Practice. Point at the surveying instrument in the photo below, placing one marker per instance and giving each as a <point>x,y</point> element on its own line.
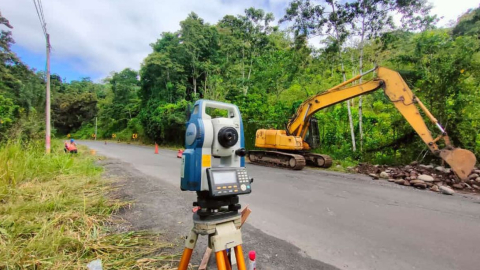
<point>217,186</point>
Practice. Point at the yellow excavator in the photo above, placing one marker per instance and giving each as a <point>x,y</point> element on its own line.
<point>289,148</point>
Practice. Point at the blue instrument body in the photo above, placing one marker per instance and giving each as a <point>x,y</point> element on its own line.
<point>199,137</point>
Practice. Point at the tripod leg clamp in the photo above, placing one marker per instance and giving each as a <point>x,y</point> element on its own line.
<point>191,240</point>
<point>226,236</point>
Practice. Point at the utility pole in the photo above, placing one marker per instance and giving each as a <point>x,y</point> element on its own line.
<point>47,105</point>
<point>95,128</point>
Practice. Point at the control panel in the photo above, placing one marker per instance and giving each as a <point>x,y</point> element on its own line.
<point>226,181</point>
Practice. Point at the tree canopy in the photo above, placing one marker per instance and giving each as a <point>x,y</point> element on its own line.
<point>268,70</point>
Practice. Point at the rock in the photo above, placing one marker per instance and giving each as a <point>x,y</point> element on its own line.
<point>447,170</point>
<point>384,175</point>
<point>400,181</point>
<point>406,183</point>
<point>440,168</point>
<point>476,187</point>
<point>421,186</point>
<point>473,176</point>
<point>426,166</point>
<point>408,167</point>
<point>458,186</point>
<point>391,180</point>
<point>468,186</point>
<point>477,180</point>
<point>416,181</point>
<point>374,176</point>
<point>426,178</point>
<point>435,188</point>
<point>476,171</point>
<point>446,190</point>
<point>339,166</point>
<point>351,169</point>
<point>414,163</point>
<point>95,265</point>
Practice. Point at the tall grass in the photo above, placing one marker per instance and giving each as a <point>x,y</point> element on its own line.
<point>54,212</point>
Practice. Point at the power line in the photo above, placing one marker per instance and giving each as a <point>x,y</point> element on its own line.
<point>39,9</point>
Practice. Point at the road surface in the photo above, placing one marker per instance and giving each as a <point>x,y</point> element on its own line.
<point>345,220</point>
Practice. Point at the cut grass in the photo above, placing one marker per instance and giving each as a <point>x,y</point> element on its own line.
<point>54,215</point>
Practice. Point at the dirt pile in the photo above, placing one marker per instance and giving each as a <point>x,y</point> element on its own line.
<point>434,178</point>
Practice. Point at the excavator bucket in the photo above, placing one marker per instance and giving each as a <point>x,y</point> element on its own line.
<point>460,160</point>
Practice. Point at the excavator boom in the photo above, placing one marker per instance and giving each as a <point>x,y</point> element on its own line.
<point>290,143</point>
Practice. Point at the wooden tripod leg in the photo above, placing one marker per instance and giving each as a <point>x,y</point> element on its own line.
<point>227,262</point>
<point>221,263</point>
<point>187,254</point>
<point>240,258</point>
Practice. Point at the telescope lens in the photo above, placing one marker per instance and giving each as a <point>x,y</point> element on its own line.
<point>227,137</point>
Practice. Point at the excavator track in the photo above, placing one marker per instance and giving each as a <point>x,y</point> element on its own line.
<point>318,160</point>
<point>277,159</point>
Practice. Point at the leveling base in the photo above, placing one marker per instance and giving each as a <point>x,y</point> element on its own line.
<point>223,233</point>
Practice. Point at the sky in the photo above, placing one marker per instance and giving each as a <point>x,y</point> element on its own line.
<point>92,38</point>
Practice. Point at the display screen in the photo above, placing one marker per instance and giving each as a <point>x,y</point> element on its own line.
<point>225,177</point>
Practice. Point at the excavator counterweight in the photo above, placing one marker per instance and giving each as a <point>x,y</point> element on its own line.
<point>289,148</point>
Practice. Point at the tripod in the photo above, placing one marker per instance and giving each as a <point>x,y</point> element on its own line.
<point>223,233</point>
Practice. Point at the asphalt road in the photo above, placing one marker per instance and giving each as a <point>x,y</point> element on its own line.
<point>348,221</point>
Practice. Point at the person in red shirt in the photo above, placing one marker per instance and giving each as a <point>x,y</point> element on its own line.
<point>70,147</point>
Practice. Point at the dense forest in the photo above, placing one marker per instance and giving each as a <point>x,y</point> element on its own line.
<point>267,67</point>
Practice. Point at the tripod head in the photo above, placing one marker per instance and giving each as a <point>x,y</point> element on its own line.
<point>217,185</point>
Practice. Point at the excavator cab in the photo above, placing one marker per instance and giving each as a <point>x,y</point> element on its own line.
<point>313,134</point>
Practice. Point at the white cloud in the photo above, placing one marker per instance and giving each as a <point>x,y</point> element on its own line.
<point>109,35</point>
<point>100,36</point>
<point>451,10</point>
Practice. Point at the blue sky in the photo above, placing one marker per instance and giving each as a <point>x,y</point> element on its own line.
<point>58,65</point>
<point>92,38</point>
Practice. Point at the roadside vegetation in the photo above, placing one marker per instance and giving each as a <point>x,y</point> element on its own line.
<point>55,214</point>
<point>267,67</point>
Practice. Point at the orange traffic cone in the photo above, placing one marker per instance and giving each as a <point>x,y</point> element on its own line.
<point>156,148</point>
<point>180,153</point>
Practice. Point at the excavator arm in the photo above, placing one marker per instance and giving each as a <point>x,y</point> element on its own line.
<point>460,160</point>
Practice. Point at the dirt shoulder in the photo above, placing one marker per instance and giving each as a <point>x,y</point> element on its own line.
<point>161,207</point>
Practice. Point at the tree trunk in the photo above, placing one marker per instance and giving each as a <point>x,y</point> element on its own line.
<point>352,131</point>
<point>360,99</point>
<point>205,86</point>
<point>350,119</point>
<point>243,68</point>
<point>194,85</point>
